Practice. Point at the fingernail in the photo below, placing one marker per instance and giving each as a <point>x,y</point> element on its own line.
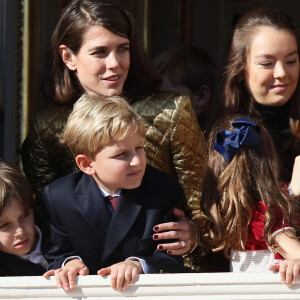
<point>169,251</point>
<point>155,236</point>
<point>160,247</point>
<point>155,228</point>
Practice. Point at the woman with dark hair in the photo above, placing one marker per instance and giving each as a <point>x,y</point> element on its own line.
<point>95,51</point>
<point>262,76</point>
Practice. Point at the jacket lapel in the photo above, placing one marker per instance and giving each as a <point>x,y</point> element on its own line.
<point>125,215</point>
<point>91,204</point>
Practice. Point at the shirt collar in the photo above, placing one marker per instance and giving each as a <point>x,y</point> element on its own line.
<point>105,193</point>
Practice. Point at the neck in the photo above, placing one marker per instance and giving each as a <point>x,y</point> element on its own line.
<point>276,118</point>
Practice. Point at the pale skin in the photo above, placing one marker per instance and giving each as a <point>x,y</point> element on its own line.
<point>121,274</point>
<point>102,66</point>
<point>295,181</point>
<point>289,248</point>
<point>126,161</point>
<point>271,75</point>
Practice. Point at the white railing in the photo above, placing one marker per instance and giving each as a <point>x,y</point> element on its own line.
<point>156,286</point>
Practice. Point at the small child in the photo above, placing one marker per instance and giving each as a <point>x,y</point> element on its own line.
<point>20,239</point>
<point>100,219</point>
<point>251,216</point>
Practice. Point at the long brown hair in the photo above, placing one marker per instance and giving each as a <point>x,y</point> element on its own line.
<point>231,189</point>
<point>237,96</point>
<point>73,23</point>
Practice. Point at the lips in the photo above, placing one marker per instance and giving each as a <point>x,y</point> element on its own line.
<point>21,244</point>
<point>134,174</point>
<point>112,78</point>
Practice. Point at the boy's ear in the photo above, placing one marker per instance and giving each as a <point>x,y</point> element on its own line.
<point>85,164</point>
<point>67,57</point>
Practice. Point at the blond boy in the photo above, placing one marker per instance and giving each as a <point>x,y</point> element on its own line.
<point>89,234</point>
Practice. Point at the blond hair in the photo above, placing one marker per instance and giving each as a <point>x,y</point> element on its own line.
<point>97,120</point>
<point>14,185</point>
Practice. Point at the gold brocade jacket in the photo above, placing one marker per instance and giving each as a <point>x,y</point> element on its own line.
<point>174,143</point>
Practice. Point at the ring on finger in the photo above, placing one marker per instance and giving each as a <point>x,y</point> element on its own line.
<point>182,243</point>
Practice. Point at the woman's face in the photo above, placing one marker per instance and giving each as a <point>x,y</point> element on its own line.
<point>102,62</point>
<point>272,69</point>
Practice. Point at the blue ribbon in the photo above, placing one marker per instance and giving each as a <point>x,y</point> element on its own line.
<point>228,142</point>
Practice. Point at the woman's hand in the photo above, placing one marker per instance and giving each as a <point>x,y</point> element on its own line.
<point>183,230</point>
<point>295,181</point>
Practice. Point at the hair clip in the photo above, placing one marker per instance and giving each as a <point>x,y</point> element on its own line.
<point>228,142</point>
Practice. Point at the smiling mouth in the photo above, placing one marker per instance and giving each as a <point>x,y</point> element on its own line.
<point>279,85</point>
<point>112,78</point>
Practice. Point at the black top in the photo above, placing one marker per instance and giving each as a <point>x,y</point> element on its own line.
<point>276,119</point>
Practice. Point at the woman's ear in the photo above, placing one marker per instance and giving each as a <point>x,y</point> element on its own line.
<point>85,164</point>
<point>68,57</point>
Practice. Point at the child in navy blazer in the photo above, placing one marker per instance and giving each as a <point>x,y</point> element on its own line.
<point>86,233</point>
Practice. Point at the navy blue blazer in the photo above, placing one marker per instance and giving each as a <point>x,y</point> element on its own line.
<point>77,222</point>
<point>13,265</point>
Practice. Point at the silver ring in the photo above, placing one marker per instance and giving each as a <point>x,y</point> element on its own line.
<point>182,243</point>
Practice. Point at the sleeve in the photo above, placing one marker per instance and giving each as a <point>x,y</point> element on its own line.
<point>188,153</point>
<point>56,244</point>
<point>36,160</point>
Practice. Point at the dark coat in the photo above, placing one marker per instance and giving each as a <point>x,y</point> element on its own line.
<point>78,222</point>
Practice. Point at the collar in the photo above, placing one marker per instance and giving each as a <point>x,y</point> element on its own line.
<point>36,255</point>
<point>105,193</point>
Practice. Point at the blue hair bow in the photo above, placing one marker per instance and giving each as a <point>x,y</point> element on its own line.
<point>228,142</point>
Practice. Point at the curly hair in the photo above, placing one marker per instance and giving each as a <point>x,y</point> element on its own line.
<point>231,189</point>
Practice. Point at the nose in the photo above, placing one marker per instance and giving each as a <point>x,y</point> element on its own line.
<point>112,61</point>
<point>279,70</point>
<point>19,231</point>
<point>135,161</point>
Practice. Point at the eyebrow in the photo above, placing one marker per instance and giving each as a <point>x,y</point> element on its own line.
<point>104,46</point>
<point>272,56</point>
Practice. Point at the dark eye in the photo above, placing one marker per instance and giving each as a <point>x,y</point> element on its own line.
<point>291,61</point>
<point>124,48</point>
<point>99,52</point>
<point>266,64</point>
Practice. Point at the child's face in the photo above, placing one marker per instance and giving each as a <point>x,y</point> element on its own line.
<point>120,164</point>
<point>17,230</point>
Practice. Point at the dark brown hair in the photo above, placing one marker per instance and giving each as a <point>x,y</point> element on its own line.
<point>14,185</point>
<point>231,189</point>
<point>77,17</point>
<point>237,96</point>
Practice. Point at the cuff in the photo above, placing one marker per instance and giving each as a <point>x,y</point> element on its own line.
<point>144,264</point>
<point>70,258</point>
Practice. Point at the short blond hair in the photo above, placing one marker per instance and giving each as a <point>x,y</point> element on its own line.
<point>14,185</point>
<point>97,120</point>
